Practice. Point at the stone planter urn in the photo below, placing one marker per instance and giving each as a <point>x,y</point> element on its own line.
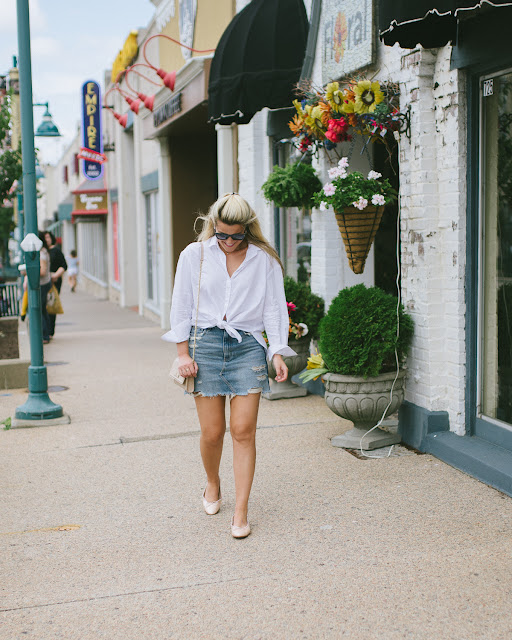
<point>295,364</point>
<point>362,401</point>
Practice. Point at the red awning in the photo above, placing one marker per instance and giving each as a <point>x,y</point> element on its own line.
<point>85,214</point>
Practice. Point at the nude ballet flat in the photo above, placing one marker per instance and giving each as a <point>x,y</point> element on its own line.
<point>211,508</point>
<point>240,532</point>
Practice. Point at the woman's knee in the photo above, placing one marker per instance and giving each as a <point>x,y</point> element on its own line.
<point>243,433</point>
<point>213,435</point>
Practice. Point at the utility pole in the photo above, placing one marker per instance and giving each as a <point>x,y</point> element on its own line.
<point>38,407</point>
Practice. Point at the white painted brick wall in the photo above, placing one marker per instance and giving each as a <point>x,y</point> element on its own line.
<point>433,203</point>
<point>254,165</point>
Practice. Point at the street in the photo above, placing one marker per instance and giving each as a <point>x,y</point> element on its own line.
<point>103,533</point>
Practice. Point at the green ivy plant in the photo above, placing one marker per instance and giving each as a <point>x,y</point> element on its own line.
<point>292,186</point>
<point>358,334</point>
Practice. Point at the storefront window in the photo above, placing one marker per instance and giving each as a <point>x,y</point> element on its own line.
<point>496,230</point>
<point>152,248</point>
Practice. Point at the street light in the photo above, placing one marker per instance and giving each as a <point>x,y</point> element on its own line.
<point>38,406</point>
<point>47,128</point>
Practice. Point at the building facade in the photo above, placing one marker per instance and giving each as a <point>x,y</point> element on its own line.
<point>224,126</point>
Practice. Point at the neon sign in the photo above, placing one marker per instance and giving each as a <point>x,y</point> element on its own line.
<point>91,128</point>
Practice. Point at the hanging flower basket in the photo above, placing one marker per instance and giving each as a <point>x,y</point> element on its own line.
<point>358,203</point>
<point>353,106</point>
<point>358,229</point>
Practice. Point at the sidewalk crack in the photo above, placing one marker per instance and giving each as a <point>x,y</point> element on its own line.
<point>123,595</point>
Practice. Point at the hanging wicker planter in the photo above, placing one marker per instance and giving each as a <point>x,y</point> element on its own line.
<point>358,229</point>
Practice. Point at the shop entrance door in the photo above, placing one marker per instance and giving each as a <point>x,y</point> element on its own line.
<point>494,390</point>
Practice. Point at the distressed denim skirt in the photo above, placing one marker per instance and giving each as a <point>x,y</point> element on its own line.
<point>227,367</point>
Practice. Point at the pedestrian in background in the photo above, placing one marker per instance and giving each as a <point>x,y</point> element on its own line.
<point>58,267</point>
<point>45,284</point>
<point>72,269</point>
<point>241,295</point>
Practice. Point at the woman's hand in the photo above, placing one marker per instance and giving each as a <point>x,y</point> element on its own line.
<point>280,367</point>
<point>187,367</point>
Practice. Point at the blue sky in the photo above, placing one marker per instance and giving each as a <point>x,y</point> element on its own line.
<point>71,42</point>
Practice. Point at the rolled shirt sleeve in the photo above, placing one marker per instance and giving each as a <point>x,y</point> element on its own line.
<point>275,312</point>
<point>182,302</point>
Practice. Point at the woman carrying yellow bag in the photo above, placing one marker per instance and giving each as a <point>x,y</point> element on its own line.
<point>53,303</point>
<point>24,304</point>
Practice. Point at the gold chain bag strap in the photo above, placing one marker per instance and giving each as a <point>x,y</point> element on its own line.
<point>188,383</point>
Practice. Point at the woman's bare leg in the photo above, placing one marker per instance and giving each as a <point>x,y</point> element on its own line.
<point>212,418</point>
<point>244,415</point>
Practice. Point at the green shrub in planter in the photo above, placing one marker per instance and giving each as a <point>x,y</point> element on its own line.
<point>310,307</point>
<point>292,186</point>
<point>358,333</point>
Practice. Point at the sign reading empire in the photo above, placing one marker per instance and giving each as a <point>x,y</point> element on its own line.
<point>348,37</point>
<point>91,127</point>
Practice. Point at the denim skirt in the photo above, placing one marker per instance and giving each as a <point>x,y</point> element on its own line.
<point>227,367</point>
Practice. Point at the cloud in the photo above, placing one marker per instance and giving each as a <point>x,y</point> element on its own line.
<point>57,83</point>
<point>9,21</point>
<point>45,46</point>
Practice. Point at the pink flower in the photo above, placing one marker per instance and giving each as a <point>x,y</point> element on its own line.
<point>337,172</point>
<point>343,163</point>
<point>291,307</point>
<point>329,189</point>
<point>361,204</point>
<point>374,175</point>
<point>337,130</point>
<point>378,199</point>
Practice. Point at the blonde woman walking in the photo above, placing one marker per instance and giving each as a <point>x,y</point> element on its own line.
<point>241,296</point>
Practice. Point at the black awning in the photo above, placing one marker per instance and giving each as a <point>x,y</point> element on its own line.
<point>431,23</point>
<point>258,60</point>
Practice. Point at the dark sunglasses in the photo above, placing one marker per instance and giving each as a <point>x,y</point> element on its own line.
<point>225,236</point>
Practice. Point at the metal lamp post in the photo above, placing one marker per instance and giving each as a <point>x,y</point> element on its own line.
<point>38,406</point>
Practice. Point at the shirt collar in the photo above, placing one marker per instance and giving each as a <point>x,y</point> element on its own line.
<point>252,249</point>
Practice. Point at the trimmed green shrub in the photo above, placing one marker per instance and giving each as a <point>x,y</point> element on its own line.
<point>358,333</point>
<point>292,186</point>
<point>310,307</point>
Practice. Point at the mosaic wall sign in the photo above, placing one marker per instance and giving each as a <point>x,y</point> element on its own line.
<point>348,32</point>
<point>188,10</point>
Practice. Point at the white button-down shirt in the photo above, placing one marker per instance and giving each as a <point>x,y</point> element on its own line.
<point>252,299</point>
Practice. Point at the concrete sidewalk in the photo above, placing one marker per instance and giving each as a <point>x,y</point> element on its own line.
<point>103,533</point>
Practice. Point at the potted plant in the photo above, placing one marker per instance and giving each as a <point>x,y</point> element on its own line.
<point>292,186</point>
<point>364,340</point>
<point>358,203</point>
<point>305,310</point>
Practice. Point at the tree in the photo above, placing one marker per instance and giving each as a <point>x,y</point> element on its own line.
<point>10,171</point>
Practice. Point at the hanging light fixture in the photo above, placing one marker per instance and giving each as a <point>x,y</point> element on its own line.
<point>122,119</point>
<point>148,101</point>
<point>169,77</point>
<point>47,128</point>
<point>133,104</point>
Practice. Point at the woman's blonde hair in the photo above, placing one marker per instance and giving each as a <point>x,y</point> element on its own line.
<point>232,209</point>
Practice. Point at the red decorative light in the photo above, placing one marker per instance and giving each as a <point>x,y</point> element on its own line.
<point>169,78</point>
<point>149,101</point>
<point>134,104</point>
<point>122,119</point>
